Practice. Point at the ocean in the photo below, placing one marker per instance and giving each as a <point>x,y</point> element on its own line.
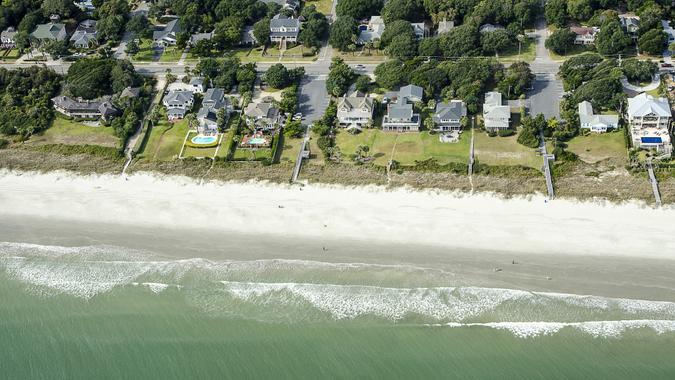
<point>86,301</point>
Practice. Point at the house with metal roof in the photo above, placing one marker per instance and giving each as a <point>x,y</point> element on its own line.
<point>496,115</point>
<point>355,111</point>
<point>649,120</point>
<point>178,103</point>
<point>448,115</point>
<point>85,35</point>
<point>100,108</point>
<point>52,31</point>
<point>196,37</point>
<point>284,29</point>
<point>595,122</point>
<point>168,35</point>
<point>412,93</point>
<point>196,84</point>
<point>585,35</point>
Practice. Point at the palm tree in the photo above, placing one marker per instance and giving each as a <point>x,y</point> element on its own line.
<point>191,118</point>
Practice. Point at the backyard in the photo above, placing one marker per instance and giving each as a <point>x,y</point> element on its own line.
<point>291,149</point>
<point>165,140</point>
<point>145,52</point>
<point>323,6</point>
<point>406,148</point>
<point>171,54</point>
<point>197,152</point>
<point>504,151</point>
<point>69,132</point>
<point>597,147</point>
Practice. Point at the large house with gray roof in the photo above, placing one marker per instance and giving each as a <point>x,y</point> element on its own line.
<point>52,31</point>
<point>178,103</point>
<point>214,101</point>
<point>263,116</point>
<point>496,115</point>
<point>401,117</point>
<point>448,115</point>
<point>284,29</point>
<point>355,111</point>
<point>100,108</point>
<point>649,120</point>
<point>412,93</point>
<point>371,32</point>
<point>595,122</point>
<point>85,35</point>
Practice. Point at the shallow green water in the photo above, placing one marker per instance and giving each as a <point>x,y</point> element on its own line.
<point>108,313</point>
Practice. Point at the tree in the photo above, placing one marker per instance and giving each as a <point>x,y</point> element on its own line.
<point>277,76</point>
<point>531,127</point>
<point>261,31</point>
<point>393,10</point>
<point>612,39</point>
<point>132,48</point>
<point>428,47</point>
<point>395,29</point>
<point>579,10</point>
<point>496,41</point>
<point>294,129</point>
<point>402,46</point>
<point>56,49</point>
<point>343,31</point>
<point>63,8</point>
<point>391,74</point>
<point>556,12</point>
<point>340,77</point>
<point>517,79</point>
<point>358,9</point>
<point>653,41</point>
<point>560,41</point>
<point>637,70</point>
<point>361,154</point>
<point>362,83</point>
<point>460,41</point>
<point>315,28</point>
<point>138,25</point>
<point>429,123</point>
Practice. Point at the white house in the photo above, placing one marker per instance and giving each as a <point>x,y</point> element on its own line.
<point>168,35</point>
<point>178,103</point>
<point>283,28</point>
<point>372,31</point>
<point>584,35</point>
<point>196,85</point>
<point>445,26</point>
<point>595,122</point>
<point>355,111</point>
<point>496,116</point>
<point>448,115</point>
<point>649,120</point>
<point>8,38</point>
<point>420,29</point>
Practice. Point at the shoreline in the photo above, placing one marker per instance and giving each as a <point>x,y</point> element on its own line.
<point>479,221</point>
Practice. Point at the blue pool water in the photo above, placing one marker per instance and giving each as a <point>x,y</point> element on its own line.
<point>204,139</point>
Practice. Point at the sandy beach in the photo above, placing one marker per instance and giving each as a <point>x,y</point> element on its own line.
<point>452,220</point>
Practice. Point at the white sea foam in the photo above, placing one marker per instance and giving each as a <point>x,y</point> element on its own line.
<point>598,329</point>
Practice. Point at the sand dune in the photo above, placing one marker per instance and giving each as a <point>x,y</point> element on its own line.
<point>479,221</point>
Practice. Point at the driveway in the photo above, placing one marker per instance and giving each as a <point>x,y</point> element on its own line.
<point>545,95</point>
<point>313,98</point>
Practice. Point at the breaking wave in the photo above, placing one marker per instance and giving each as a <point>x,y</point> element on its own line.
<point>311,291</point>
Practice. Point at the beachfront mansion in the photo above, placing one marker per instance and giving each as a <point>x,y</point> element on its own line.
<point>649,120</point>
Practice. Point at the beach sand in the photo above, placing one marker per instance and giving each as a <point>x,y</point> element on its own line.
<point>474,240</point>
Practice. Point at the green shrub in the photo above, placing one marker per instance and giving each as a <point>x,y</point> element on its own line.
<point>506,132</point>
<point>4,143</point>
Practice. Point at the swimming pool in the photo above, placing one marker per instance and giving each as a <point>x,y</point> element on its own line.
<point>203,140</point>
<point>257,141</point>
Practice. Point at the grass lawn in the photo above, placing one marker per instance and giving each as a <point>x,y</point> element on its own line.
<point>599,146</point>
<point>574,50</point>
<point>374,56</point>
<point>165,140</point>
<point>405,148</point>
<point>527,52</point>
<point>291,149</point>
<point>323,6</point>
<point>13,55</point>
<point>316,155</point>
<point>171,54</point>
<point>64,131</point>
<point>250,154</point>
<point>145,52</point>
<point>504,151</point>
<point>292,54</point>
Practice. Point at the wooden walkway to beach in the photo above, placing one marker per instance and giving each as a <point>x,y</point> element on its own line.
<point>547,167</point>
<point>654,182</point>
<point>301,156</point>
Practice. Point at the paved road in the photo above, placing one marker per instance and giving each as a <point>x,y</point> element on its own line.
<point>313,98</point>
<point>544,98</point>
